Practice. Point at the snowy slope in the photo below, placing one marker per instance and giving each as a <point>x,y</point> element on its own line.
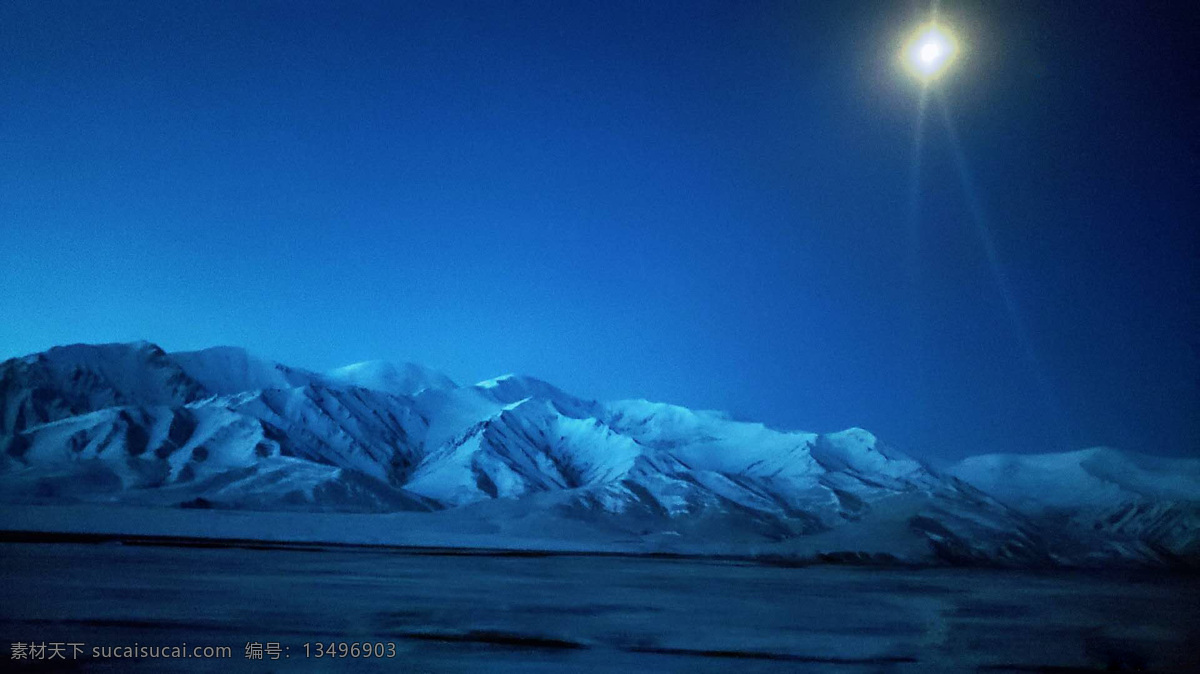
<point>220,428</point>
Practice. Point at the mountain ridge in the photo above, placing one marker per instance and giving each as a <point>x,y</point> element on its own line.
<point>134,424</point>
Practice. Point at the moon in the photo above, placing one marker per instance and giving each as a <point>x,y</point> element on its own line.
<point>929,51</point>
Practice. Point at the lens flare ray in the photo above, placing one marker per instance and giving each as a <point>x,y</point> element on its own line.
<point>987,241</point>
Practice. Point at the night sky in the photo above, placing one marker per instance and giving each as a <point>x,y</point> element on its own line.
<point>712,204</point>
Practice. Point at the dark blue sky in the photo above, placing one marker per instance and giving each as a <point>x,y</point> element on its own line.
<point>706,204</point>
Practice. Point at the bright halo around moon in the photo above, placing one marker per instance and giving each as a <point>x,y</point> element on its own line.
<point>929,52</point>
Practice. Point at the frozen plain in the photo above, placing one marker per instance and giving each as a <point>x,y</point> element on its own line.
<point>449,611</point>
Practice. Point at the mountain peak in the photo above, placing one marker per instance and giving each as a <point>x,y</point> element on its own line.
<point>510,388</point>
<point>393,378</point>
<point>77,378</point>
<point>495,381</point>
<point>105,350</point>
<point>225,370</point>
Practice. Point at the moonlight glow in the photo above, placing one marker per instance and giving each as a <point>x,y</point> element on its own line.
<point>929,52</point>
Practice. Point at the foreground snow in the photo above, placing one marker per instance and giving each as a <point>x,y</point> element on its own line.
<point>445,612</point>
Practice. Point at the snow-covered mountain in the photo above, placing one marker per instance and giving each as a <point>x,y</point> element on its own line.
<point>1120,498</point>
<point>1097,477</point>
<point>132,424</point>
